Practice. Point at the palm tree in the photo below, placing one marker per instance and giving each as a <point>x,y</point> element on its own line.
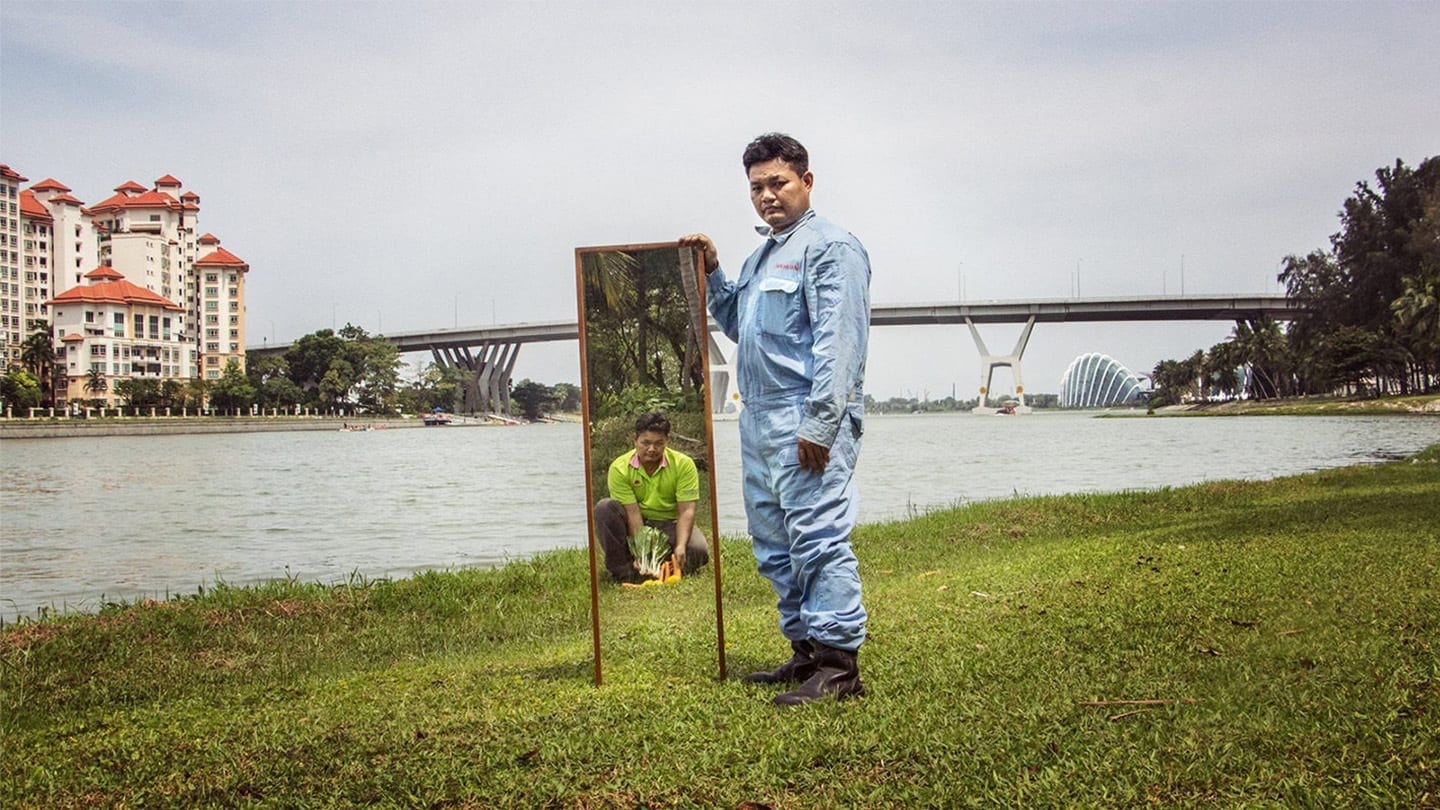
<point>1417,311</point>
<point>1173,381</point>
<point>95,382</point>
<point>37,354</point>
<point>1262,346</point>
<point>1221,369</point>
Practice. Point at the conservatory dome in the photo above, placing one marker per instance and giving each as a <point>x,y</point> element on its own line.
<point>1097,380</point>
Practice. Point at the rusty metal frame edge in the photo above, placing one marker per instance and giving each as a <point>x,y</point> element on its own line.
<point>589,495</point>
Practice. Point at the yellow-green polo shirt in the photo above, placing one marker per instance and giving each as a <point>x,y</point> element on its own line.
<point>674,480</point>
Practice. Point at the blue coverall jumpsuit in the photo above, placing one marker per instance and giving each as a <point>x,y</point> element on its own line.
<point>800,317</point>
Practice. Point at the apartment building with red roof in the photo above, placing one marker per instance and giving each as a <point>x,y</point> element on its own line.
<point>222,306</point>
<point>120,329</point>
<point>52,243</point>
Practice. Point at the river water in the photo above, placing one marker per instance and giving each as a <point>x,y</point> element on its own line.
<point>84,521</point>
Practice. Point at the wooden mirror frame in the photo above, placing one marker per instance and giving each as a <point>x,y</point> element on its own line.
<point>695,261</point>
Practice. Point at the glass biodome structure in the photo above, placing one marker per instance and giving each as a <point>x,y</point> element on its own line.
<point>1097,381</point>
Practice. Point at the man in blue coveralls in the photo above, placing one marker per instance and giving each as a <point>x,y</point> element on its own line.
<point>799,313</point>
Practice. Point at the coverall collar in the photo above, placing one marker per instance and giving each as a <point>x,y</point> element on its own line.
<point>779,238</point>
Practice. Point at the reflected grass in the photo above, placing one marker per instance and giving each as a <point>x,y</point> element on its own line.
<point>1283,634</point>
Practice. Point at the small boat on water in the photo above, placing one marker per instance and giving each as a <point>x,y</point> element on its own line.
<point>436,419</point>
<point>1007,408</point>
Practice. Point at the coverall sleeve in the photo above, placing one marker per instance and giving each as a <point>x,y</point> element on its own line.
<point>722,299</point>
<point>837,294</point>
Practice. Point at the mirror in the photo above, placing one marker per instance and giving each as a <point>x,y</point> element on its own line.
<point>643,351</point>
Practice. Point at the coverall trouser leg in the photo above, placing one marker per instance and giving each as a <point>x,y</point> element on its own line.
<point>800,524</point>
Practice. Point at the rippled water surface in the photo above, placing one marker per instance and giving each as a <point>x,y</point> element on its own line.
<point>92,519</point>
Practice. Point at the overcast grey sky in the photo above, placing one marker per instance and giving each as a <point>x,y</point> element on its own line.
<point>401,164</point>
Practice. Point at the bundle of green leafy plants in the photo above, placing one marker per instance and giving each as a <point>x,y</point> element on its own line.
<point>649,547</point>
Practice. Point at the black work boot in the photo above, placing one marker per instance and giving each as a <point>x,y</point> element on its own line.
<point>837,675</point>
<point>796,670</point>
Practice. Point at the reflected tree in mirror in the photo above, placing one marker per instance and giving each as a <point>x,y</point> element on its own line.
<point>643,325</point>
<point>644,321</point>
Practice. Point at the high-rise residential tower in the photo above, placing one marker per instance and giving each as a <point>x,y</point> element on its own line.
<point>139,254</point>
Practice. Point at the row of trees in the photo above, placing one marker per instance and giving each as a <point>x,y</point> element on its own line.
<point>947,404</point>
<point>348,371</point>
<point>33,383</point>
<point>353,371</point>
<point>534,399</point>
<point>327,370</point>
<point>1370,321</point>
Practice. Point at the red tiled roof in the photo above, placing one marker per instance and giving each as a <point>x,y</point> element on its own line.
<point>10,174</point>
<point>111,203</point>
<point>209,239</point>
<point>65,198</point>
<point>73,337</point>
<point>50,184</point>
<point>155,199</point>
<point>168,180</point>
<point>149,199</point>
<point>223,258</point>
<point>114,292</point>
<point>104,273</point>
<point>30,208</point>
<point>130,185</point>
<point>189,195</point>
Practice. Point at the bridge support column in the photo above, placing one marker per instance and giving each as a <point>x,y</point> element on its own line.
<point>989,362</point>
<point>474,388</point>
<point>462,359</point>
<point>500,380</point>
<point>484,403</point>
<point>487,374</point>
<point>720,373</point>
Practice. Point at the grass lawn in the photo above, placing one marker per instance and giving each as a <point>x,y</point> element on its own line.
<point>1259,644</point>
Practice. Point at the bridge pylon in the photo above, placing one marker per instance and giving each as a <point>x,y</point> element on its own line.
<point>487,373</point>
<point>989,362</point>
<point>720,375</point>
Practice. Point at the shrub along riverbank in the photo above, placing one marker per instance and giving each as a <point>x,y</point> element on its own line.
<point>1416,404</point>
<point>1264,643</point>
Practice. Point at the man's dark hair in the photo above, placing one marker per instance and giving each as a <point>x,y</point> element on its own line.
<point>654,422</point>
<point>773,145</point>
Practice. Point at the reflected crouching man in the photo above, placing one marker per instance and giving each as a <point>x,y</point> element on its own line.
<point>799,313</point>
<point>652,485</point>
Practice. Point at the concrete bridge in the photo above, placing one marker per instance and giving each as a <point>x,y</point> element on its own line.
<point>487,354</point>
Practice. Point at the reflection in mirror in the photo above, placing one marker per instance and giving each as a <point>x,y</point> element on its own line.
<point>650,483</point>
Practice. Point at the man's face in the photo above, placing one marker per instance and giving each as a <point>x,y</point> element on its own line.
<point>650,447</point>
<point>780,196</point>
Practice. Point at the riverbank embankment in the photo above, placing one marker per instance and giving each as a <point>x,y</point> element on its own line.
<point>174,426</point>
<point>1413,405</point>
<point>1229,643</point>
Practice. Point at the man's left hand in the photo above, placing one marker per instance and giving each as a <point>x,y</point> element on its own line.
<point>813,457</point>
